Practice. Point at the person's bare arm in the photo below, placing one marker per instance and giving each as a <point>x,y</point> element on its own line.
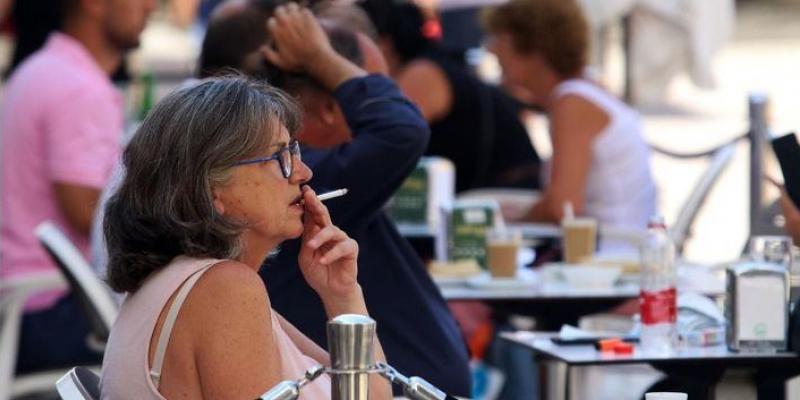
<point>306,345</point>
<point>575,123</point>
<point>791,215</point>
<point>228,312</point>
<point>427,86</point>
<point>78,204</point>
<point>328,262</point>
<point>300,44</point>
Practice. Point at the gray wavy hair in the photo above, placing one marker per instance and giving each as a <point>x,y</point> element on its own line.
<point>184,148</point>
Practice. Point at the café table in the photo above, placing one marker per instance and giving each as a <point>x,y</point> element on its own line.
<point>705,280</point>
<point>686,360</point>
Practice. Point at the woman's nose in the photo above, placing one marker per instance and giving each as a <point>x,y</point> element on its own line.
<point>301,173</point>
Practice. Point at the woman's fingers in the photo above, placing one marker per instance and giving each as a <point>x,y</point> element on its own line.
<point>318,212</point>
<point>332,244</point>
<point>327,234</point>
<point>342,250</point>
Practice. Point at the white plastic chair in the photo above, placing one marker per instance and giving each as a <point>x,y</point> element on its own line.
<point>92,293</point>
<point>14,293</point>
<point>79,383</point>
<point>680,230</point>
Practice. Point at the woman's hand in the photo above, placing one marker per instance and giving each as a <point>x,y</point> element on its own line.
<point>299,41</point>
<point>328,257</point>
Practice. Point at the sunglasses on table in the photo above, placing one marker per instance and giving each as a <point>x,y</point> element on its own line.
<point>285,156</point>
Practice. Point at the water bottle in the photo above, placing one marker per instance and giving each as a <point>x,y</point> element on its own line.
<point>658,296</point>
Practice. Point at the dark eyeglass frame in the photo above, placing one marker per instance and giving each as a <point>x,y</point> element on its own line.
<point>286,162</point>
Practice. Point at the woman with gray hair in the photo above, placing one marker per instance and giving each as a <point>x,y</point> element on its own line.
<point>214,183</point>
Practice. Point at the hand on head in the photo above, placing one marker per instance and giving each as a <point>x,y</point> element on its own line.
<point>298,39</point>
<point>328,257</point>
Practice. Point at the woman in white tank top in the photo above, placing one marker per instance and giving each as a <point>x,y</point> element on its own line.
<point>600,163</point>
<point>213,184</point>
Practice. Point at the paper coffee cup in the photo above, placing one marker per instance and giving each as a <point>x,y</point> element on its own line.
<point>579,239</point>
<point>502,248</point>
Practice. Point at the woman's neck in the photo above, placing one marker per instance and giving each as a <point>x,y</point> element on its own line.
<point>254,251</point>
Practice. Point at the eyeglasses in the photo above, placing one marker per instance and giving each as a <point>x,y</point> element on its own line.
<point>285,157</point>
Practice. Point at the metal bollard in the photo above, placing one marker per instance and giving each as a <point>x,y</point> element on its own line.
<point>757,135</point>
<point>351,340</point>
<point>351,345</point>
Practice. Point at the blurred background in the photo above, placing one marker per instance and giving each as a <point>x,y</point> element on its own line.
<point>688,67</point>
<point>688,103</point>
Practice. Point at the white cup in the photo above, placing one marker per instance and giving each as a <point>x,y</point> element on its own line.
<point>666,396</point>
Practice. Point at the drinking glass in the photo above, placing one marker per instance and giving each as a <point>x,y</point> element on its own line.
<point>772,249</point>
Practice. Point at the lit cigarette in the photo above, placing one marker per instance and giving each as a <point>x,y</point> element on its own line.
<point>332,194</point>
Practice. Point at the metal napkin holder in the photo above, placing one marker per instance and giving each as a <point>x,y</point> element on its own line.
<point>737,280</point>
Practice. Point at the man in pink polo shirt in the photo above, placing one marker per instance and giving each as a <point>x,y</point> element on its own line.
<point>61,128</point>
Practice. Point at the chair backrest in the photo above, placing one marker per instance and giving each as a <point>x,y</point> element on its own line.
<point>14,292</point>
<point>79,383</point>
<point>681,227</point>
<point>93,297</point>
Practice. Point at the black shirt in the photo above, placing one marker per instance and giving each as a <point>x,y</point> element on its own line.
<point>482,134</point>
<point>415,327</point>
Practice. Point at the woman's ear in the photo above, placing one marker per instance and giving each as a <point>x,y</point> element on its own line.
<point>219,205</point>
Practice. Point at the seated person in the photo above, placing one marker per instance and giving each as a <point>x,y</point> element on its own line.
<point>474,125</point>
<point>187,247</point>
<point>364,135</point>
<point>61,123</point>
<point>601,163</point>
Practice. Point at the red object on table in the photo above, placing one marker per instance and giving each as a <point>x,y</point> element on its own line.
<point>623,348</point>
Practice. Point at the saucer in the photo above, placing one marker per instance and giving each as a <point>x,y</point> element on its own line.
<point>525,279</point>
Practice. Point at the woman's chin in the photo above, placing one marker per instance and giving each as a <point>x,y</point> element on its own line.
<point>297,232</point>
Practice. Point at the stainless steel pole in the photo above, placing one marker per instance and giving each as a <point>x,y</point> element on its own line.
<point>351,346</point>
<point>757,135</point>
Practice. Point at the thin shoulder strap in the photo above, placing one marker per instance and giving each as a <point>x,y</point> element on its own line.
<point>169,322</point>
<point>586,89</point>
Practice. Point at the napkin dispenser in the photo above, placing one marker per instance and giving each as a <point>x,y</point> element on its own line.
<point>757,307</point>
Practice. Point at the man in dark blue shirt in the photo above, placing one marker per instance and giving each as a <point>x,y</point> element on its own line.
<point>362,134</point>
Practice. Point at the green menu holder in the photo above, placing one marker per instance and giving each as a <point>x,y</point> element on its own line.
<point>409,205</point>
<point>468,224</point>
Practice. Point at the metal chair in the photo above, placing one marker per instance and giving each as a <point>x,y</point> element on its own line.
<point>92,293</point>
<point>79,383</point>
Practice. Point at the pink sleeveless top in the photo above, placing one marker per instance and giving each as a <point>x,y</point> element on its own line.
<point>126,373</point>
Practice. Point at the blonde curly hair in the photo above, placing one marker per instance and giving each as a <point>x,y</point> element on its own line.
<point>555,29</point>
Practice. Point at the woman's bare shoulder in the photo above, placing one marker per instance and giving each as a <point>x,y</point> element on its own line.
<point>229,291</point>
<point>575,113</point>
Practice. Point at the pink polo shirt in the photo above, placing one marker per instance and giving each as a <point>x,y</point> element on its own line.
<point>61,121</point>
